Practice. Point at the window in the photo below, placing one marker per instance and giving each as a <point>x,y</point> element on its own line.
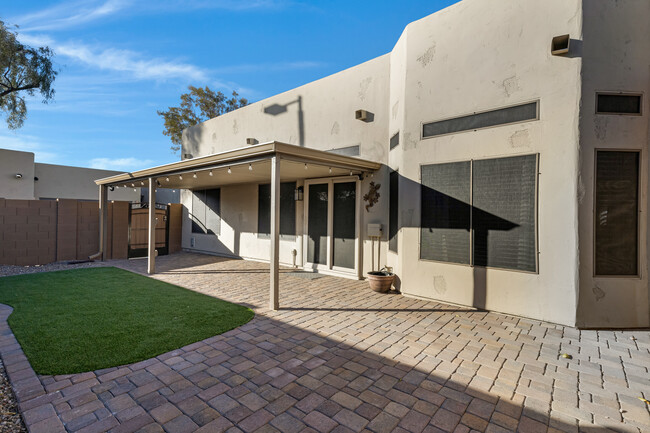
<point>393,210</point>
<point>618,103</point>
<point>206,211</point>
<point>481,213</point>
<point>394,141</point>
<point>487,119</point>
<point>616,213</point>
<point>287,211</point>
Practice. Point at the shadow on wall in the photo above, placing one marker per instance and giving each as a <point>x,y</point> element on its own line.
<point>448,226</point>
<point>277,109</point>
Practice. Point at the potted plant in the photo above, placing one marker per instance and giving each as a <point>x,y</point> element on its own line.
<point>381,281</point>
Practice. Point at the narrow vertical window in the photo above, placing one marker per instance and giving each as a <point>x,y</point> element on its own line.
<point>393,210</point>
<point>617,213</point>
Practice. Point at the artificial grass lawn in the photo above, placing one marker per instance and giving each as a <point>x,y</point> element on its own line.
<point>87,319</point>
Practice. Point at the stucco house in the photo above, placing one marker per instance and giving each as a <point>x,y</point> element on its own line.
<point>508,145</point>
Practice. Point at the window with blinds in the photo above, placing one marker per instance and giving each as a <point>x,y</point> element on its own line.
<point>610,103</point>
<point>616,213</point>
<point>206,211</point>
<point>481,213</point>
<point>502,116</point>
<point>287,211</point>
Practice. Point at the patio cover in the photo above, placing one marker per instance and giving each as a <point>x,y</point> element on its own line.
<point>261,163</point>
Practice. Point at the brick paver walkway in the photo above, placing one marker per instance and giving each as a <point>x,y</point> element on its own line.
<point>338,357</point>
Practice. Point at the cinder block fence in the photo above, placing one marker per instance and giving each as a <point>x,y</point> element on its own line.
<point>37,232</point>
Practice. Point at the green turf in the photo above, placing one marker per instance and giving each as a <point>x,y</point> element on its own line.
<point>87,319</point>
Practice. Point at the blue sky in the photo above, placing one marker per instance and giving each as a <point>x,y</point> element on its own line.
<point>121,60</point>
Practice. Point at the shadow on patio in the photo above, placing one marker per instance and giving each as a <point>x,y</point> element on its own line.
<point>365,361</point>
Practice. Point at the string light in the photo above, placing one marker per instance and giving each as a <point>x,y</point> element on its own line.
<point>194,176</point>
<point>133,185</point>
<point>305,166</point>
<point>180,176</point>
<point>330,170</point>
<point>229,170</point>
<point>250,167</point>
<point>210,173</point>
<point>141,183</point>
<point>166,179</point>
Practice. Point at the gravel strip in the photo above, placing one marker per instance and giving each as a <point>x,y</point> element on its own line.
<point>10,419</point>
<point>7,270</point>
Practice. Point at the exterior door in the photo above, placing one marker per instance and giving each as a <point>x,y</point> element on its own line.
<point>332,225</point>
<point>139,229</point>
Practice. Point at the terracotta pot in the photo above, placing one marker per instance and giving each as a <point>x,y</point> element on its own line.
<point>380,281</point>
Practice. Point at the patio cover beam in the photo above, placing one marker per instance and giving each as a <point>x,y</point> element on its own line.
<point>274,302</point>
<point>151,247</point>
<point>103,221</point>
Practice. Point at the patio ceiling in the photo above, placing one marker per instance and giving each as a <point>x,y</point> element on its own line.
<point>250,164</point>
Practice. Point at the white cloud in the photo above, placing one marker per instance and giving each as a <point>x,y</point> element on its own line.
<point>134,64</point>
<point>126,164</point>
<point>67,15</point>
<point>27,143</point>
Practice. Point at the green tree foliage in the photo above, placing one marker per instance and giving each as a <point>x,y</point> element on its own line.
<point>23,70</point>
<point>197,106</point>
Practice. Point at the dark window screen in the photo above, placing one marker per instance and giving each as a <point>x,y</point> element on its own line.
<point>344,224</point>
<point>394,141</point>
<point>287,211</point>
<point>393,210</point>
<point>618,104</point>
<point>206,211</point>
<point>347,151</point>
<point>317,224</point>
<point>504,214</point>
<point>503,116</point>
<point>445,212</point>
<point>617,198</point>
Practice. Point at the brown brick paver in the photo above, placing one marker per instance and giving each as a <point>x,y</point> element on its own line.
<point>338,357</point>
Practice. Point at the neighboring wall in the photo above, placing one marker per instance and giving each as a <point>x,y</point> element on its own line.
<point>318,115</point>
<point>61,181</point>
<point>616,57</point>
<point>37,232</point>
<point>480,55</point>
<point>11,164</point>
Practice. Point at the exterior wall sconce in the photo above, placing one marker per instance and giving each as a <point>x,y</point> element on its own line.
<point>361,115</point>
<point>299,194</point>
<point>19,176</point>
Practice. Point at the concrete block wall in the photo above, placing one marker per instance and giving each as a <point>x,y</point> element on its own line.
<point>34,232</point>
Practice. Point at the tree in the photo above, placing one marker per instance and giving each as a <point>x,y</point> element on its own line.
<point>197,106</point>
<point>23,70</point>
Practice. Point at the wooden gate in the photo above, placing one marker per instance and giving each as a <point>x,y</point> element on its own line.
<point>139,229</point>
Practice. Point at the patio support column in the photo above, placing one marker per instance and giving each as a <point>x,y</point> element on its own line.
<point>151,251</point>
<point>103,221</point>
<point>274,302</point>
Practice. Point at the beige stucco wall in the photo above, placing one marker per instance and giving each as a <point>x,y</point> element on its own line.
<point>616,55</point>
<point>441,68</point>
<point>62,181</point>
<point>502,59</point>
<point>327,121</point>
<point>11,163</point>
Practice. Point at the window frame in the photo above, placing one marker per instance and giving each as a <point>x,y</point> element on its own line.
<point>614,93</point>
<point>638,275</point>
<point>471,244</point>
<point>458,116</point>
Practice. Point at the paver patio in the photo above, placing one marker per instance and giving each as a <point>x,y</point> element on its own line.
<point>339,357</point>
